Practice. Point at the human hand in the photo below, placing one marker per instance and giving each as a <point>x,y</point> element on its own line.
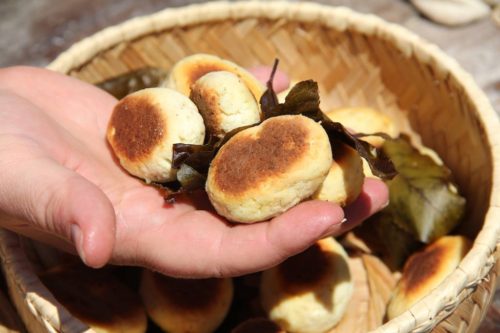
<point>59,183</point>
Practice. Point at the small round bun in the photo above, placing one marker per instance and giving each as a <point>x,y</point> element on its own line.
<point>258,325</point>
<point>144,126</point>
<point>365,120</point>
<point>309,292</point>
<point>264,170</point>
<point>97,298</point>
<point>345,178</point>
<point>186,305</point>
<point>425,270</point>
<point>224,102</point>
<point>189,69</point>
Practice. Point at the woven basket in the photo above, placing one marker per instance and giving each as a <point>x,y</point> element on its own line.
<point>358,60</point>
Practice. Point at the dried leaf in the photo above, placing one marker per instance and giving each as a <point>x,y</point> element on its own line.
<point>303,99</point>
<point>122,85</point>
<point>423,200</point>
<point>380,236</point>
<point>269,100</point>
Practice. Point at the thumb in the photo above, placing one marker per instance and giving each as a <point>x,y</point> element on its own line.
<point>58,201</point>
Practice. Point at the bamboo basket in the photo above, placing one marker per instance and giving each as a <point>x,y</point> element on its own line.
<point>358,60</point>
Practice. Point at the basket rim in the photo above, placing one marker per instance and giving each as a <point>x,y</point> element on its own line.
<point>473,269</point>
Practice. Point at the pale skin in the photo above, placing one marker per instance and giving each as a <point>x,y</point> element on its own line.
<point>59,183</point>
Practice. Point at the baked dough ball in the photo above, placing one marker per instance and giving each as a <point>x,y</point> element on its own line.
<point>308,293</point>
<point>425,270</point>
<point>345,179</point>
<point>97,298</point>
<point>186,305</point>
<point>144,126</point>
<point>224,102</point>
<point>258,325</point>
<point>365,120</point>
<point>264,170</point>
<point>189,69</point>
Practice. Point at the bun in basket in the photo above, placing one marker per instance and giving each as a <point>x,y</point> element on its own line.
<point>264,170</point>
<point>367,121</point>
<point>186,305</point>
<point>97,298</point>
<point>224,102</point>
<point>189,69</point>
<point>144,126</point>
<point>425,270</point>
<point>309,292</point>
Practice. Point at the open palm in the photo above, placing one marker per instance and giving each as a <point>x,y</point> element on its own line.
<point>60,183</point>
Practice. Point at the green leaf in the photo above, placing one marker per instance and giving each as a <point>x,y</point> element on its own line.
<point>122,85</point>
<point>423,199</point>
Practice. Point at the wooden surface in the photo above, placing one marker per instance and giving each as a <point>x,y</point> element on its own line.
<point>35,31</point>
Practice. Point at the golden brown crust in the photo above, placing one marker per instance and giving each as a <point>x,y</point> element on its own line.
<point>425,265</point>
<point>246,161</point>
<point>207,102</point>
<point>300,272</point>
<point>189,294</point>
<point>136,126</point>
<point>198,70</point>
<point>94,296</point>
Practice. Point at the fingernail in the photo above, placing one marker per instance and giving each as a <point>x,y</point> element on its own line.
<point>77,238</point>
<point>385,205</point>
<point>332,229</point>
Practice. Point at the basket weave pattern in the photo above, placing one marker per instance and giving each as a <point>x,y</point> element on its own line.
<point>358,60</point>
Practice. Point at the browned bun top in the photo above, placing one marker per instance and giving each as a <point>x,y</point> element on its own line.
<point>188,70</point>
<point>313,267</point>
<point>433,262</point>
<point>94,296</point>
<point>258,325</point>
<point>199,69</point>
<point>189,294</point>
<point>137,125</point>
<point>248,159</point>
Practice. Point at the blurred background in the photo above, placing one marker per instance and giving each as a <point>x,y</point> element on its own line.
<point>34,32</point>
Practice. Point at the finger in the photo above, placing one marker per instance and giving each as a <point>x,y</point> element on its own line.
<point>200,244</point>
<point>57,94</point>
<point>263,73</point>
<point>296,230</point>
<point>56,201</point>
<point>373,198</point>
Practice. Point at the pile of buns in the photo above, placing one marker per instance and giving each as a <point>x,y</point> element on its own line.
<point>308,293</point>
<point>258,173</point>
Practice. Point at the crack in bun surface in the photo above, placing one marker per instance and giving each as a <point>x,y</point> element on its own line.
<point>189,69</point>
<point>144,126</point>
<point>264,170</point>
